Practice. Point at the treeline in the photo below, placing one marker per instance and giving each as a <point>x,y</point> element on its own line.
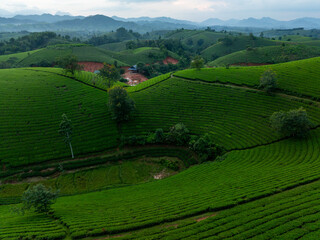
<point>121,34</point>
<point>32,41</point>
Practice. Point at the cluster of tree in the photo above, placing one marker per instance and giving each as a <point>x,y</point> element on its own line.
<point>156,69</point>
<point>197,63</point>
<point>268,81</point>
<point>37,198</point>
<point>31,42</point>
<point>294,123</point>
<point>173,45</point>
<point>178,135</point>
<point>121,34</point>
<point>69,63</point>
<point>120,104</point>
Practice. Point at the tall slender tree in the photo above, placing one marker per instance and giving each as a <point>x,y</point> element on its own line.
<point>66,131</point>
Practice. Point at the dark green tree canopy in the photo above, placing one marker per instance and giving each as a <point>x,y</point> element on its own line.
<point>197,63</point>
<point>39,198</point>
<point>69,64</point>
<point>268,81</point>
<point>179,134</point>
<point>292,123</point>
<point>120,104</point>
<point>110,73</point>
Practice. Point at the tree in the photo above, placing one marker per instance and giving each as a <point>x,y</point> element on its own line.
<point>70,64</point>
<point>292,123</point>
<point>120,104</point>
<point>66,131</point>
<point>197,63</point>
<point>268,81</point>
<point>179,135</point>
<point>39,198</point>
<point>110,73</point>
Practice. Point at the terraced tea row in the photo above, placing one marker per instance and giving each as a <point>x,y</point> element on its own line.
<point>301,77</point>
<point>289,215</point>
<point>32,104</point>
<point>212,186</point>
<point>237,118</point>
<point>29,226</point>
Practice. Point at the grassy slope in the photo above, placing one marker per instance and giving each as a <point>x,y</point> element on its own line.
<point>116,47</point>
<point>32,104</point>
<point>93,54</point>
<point>239,43</point>
<point>192,191</point>
<point>301,77</point>
<point>203,108</point>
<point>17,56</point>
<point>209,38</point>
<point>277,166</point>
<point>26,140</point>
<point>287,215</point>
<point>273,54</point>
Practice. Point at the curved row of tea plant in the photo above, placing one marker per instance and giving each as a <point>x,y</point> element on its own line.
<point>243,176</point>
<point>29,226</point>
<point>235,117</point>
<point>300,77</point>
<point>32,103</point>
<point>289,215</point>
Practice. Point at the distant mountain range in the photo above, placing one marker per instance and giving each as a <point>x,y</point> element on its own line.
<point>48,22</point>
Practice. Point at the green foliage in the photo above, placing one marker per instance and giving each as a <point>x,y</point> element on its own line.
<point>30,42</point>
<point>179,135</point>
<point>292,123</point>
<point>197,63</point>
<point>205,147</point>
<point>173,165</point>
<point>268,80</point>
<point>110,73</point>
<point>38,198</point>
<point>120,104</point>
<point>69,64</point>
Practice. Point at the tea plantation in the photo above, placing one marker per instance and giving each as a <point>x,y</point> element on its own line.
<point>265,185</point>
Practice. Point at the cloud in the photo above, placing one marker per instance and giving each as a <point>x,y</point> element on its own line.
<point>183,9</point>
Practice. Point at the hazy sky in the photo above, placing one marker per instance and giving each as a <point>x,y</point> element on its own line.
<point>195,10</point>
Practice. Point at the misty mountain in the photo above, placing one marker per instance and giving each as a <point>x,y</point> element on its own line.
<point>265,22</point>
<point>156,19</point>
<point>46,18</point>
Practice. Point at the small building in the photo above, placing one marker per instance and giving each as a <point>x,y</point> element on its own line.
<point>133,69</point>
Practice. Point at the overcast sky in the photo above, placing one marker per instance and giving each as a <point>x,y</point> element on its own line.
<point>195,10</point>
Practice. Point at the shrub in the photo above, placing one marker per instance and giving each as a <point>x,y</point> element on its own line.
<point>268,81</point>
<point>292,123</point>
<point>205,147</point>
<point>39,198</point>
<point>120,104</point>
<point>179,135</point>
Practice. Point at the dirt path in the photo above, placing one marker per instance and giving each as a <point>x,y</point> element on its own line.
<point>243,87</point>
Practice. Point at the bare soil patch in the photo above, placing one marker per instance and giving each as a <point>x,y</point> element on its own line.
<point>206,217</point>
<point>91,66</point>
<point>170,60</point>
<point>133,78</point>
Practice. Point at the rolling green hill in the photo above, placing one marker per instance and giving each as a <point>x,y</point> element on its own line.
<point>273,54</point>
<point>265,185</point>
<point>289,76</point>
<point>87,53</point>
<point>234,44</point>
